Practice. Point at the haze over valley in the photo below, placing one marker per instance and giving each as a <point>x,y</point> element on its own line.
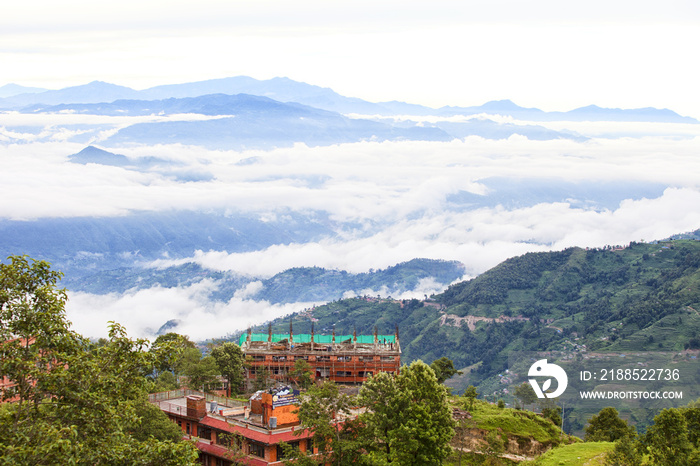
<point>208,206</point>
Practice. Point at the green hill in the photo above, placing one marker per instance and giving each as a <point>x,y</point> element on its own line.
<point>571,303</point>
<point>575,454</point>
<point>485,430</point>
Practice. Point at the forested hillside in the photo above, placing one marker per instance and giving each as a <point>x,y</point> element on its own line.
<point>612,298</point>
<point>641,297</point>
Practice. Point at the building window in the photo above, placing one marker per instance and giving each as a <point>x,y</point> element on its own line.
<point>344,358</point>
<point>364,374</point>
<point>366,358</point>
<point>258,358</point>
<point>323,358</point>
<point>257,449</point>
<point>343,374</point>
<point>279,358</point>
<point>387,358</point>
<point>280,450</point>
<point>204,432</point>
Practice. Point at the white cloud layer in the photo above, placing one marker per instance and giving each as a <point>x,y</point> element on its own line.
<point>479,239</point>
<point>143,312</point>
<point>396,194</point>
<point>385,181</point>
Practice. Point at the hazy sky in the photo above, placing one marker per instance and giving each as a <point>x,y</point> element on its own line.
<point>546,53</point>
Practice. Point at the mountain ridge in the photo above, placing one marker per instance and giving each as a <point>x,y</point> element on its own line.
<point>288,90</point>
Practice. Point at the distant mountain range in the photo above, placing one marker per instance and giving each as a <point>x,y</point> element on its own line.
<point>251,122</point>
<point>16,97</point>
<point>299,284</point>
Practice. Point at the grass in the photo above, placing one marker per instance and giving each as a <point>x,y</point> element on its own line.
<point>519,423</point>
<point>575,454</point>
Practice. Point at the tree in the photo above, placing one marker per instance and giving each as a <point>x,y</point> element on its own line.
<point>551,411</point>
<point>408,419</point>
<point>326,413</point>
<point>525,393</point>
<point>173,353</point>
<point>165,382</point>
<point>625,453</point>
<point>470,394</point>
<point>262,378</point>
<point>75,402</point>
<point>691,412</point>
<point>34,334</point>
<point>379,395</point>
<point>154,424</point>
<point>301,373</point>
<point>202,374</point>
<point>229,359</point>
<point>667,441</point>
<point>444,369</point>
<point>607,426</point>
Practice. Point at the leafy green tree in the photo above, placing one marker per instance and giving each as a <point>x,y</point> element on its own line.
<point>667,441</point>
<point>495,444</point>
<point>301,373</point>
<point>173,352</point>
<point>551,411</point>
<point>408,419</point>
<point>325,411</point>
<point>75,402</point>
<point>202,374</point>
<point>154,423</point>
<point>470,394</point>
<point>691,412</point>
<point>34,334</point>
<point>444,369</point>
<point>525,393</point>
<point>625,453</point>
<point>379,395</point>
<point>229,359</point>
<point>608,426</point>
<point>165,382</point>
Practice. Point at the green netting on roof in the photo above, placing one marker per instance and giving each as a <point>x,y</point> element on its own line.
<point>306,338</point>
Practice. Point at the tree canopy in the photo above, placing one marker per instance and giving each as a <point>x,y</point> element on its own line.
<point>408,418</point>
<point>74,402</point>
<point>229,360</point>
<point>607,426</point>
<point>444,369</point>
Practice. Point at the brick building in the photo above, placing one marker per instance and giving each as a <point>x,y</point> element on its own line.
<point>346,359</point>
<point>226,430</point>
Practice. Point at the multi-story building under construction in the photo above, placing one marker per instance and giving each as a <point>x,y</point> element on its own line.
<point>347,359</point>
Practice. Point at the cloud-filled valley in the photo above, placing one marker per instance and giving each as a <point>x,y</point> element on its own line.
<point>349,206</point>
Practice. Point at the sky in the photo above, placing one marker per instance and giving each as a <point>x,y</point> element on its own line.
<point>547,54</point>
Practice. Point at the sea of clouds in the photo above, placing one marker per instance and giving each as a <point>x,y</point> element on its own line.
<point>392,202</point>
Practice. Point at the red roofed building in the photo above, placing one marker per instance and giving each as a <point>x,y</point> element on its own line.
<point>227,430</point>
